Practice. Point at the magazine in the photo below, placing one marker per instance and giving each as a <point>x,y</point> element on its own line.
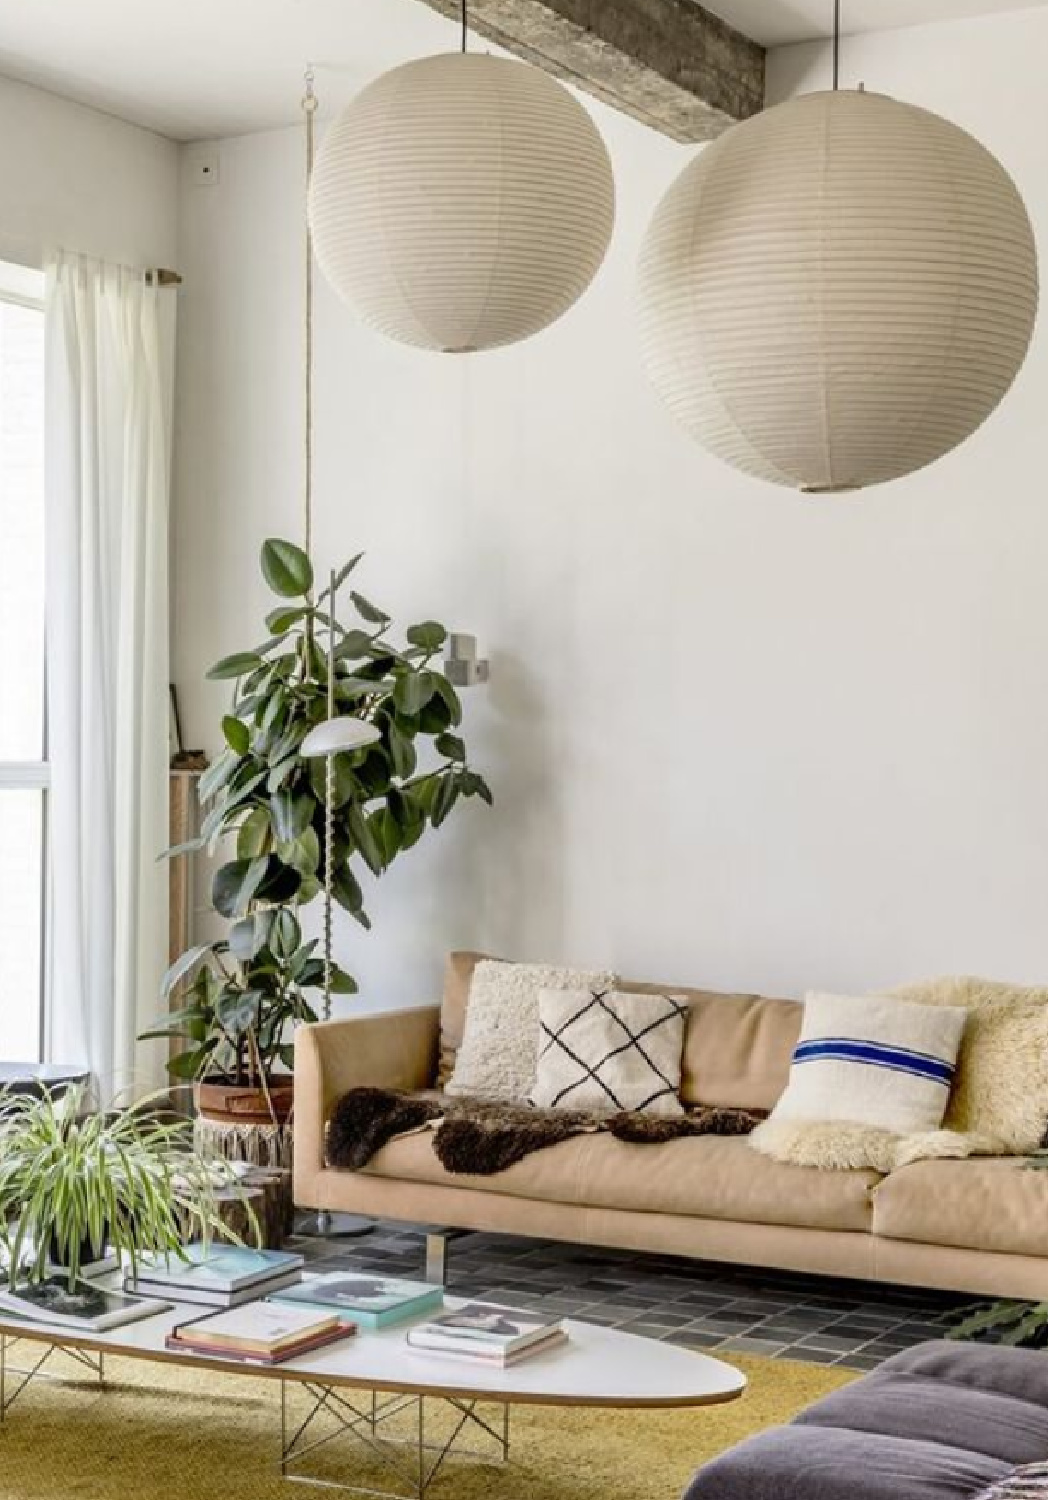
<point>498,1359</point>
<point>483,1325</point>
<point>85,1306</point>
<point>373,1301</point>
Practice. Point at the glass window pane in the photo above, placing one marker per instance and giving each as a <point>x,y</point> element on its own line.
<point>21,909</point>
<point>21,531</point>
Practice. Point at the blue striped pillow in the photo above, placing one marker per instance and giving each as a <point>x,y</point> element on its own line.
<point>873,1061</point>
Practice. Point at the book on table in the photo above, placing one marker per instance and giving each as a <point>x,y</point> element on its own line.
<point>371,1301</point>
<point>498,1359</point>
<point>84,1306</point>
<point>487,1331</point>
<point>260,1332</point>
<point>216,1275</point>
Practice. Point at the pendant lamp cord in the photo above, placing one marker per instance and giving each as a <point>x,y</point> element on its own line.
<point>465,24</point>
<point>836,45</point>
<point>309,109</point>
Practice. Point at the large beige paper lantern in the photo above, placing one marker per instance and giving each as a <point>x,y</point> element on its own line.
<point>462,202</point>
<point>838,291</point>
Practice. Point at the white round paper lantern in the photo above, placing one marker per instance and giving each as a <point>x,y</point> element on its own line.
<point>838,291</point>
<point>461,202</point>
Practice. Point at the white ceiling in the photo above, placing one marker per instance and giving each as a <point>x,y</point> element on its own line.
<point>194,69</point>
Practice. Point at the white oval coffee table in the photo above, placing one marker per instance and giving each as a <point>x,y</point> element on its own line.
<point>355,1392</point>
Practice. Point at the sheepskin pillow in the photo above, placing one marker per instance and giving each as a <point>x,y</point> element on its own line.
<point>873,1061</point>
<point>500,1039</point>
<point>1001,1092</point>
<point>605,1051</point>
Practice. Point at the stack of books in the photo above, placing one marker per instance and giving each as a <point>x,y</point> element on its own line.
<point>216,1276</point>
<point>259,1334</point>
<point>487,1334</point>
<point>371,1301</point>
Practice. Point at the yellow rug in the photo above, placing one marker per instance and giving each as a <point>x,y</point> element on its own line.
<point>166,1434</point>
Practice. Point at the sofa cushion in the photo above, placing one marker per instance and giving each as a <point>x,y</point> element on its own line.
<point>983,1203</point>
<point>704,1177</point>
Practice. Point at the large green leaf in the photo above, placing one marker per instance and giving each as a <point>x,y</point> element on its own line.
<point>451,746</point>
<point>354,644</point>
<point>446,796</point>
<point>411,692</point>
<point>368,611</point>
<point>342,574</point>
<point>430,635</point>
<point>363,836</point>
<point>285,934</point>
<point>471,784</point>
<point>236,665</point>
<point>343,983</point>
<point>280,620</point>
<point>238,735</point>
<point>401,751</point>
<point>236,884</point>
<point>183,967</point>
<point>302,854</point>
<point>449,697</point>
<point>248,937</point>
<point>237,1010</point>
<point>345,888</point>
<point>254,834</point>
<point>286,568</point>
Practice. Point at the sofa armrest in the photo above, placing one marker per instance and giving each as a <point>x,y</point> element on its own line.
<point>391,1049</point>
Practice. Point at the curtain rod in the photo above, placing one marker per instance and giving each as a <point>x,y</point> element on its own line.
<point>161,276</point>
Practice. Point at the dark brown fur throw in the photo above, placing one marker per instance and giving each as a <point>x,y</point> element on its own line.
<point>481,1138</point>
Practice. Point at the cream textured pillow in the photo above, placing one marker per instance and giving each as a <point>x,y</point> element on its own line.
<point>500,1039</point>
<point>1001,1090</point>
<point>606,1051</point>
<point>873,1061</point>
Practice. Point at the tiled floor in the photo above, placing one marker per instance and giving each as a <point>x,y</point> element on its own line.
<point>772,1313</point>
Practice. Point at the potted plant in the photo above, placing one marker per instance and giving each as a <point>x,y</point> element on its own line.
<point>74,1183</point>
<point>246,991</point>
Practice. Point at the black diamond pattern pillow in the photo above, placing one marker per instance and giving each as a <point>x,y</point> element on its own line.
<point>605,1051</point>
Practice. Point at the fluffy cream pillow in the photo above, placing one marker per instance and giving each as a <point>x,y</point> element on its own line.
<point>500,1039</point>
<point>606,1051</point>
<point>1001,1091</point>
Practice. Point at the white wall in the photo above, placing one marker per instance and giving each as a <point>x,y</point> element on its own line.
<point>75,178</point>
<point>736,736</point>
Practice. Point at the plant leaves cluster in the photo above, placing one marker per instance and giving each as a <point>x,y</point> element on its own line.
<point>245,992</point>
<point>73,1180</point>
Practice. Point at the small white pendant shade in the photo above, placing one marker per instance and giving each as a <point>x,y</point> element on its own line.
<point>462,202</point>
<point>838,291</point>
<point>333,736</point>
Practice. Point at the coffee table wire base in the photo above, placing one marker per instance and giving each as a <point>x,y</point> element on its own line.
<point>414,1461</point>
<point>15,1378</point>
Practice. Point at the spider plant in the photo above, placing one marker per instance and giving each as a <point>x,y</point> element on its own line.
<point>74,1181</point>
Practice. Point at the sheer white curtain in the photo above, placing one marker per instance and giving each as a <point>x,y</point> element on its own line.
<point>109,362</point>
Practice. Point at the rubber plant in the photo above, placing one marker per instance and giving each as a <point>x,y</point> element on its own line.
<point>245,992</point>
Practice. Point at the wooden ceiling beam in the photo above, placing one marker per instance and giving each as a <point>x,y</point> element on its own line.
<point>669,63</point>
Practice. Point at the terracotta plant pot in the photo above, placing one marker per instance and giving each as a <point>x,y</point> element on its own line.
<point>218,1099</point>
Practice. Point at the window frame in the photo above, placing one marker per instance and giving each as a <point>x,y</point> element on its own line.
<point>22,286</point>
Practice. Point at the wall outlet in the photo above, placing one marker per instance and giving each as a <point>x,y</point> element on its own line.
<point>202,166</point>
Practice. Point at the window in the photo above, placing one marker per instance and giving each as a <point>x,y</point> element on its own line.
<point>23,734</point>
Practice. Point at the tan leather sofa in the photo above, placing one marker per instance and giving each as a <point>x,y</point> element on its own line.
<point>979,1225</point>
